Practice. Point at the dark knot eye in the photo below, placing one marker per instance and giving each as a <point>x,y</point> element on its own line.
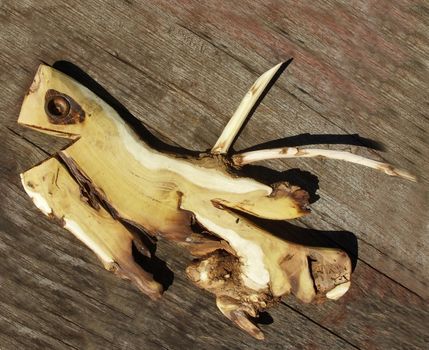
<point>62,109</point>
<point>57,107</point>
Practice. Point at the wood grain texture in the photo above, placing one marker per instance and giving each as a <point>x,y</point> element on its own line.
<point>182,68</point>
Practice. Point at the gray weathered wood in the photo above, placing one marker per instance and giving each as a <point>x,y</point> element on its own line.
<point>182,69</point>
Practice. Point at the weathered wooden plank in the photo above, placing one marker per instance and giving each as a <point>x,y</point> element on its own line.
<point>175,87</point>
<point>175,66</point>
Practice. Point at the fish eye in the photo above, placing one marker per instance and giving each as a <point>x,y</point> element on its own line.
<point>62,109</point>
<point>57,107</point>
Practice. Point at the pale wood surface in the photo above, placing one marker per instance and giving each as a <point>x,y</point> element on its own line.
<point>182,68</point>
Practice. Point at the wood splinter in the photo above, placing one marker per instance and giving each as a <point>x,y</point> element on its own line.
<point>109,176</point>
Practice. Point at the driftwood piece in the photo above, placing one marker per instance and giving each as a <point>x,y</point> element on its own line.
<point>109,178</point>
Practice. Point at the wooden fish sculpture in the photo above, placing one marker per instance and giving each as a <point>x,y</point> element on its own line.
<point>109,178</point>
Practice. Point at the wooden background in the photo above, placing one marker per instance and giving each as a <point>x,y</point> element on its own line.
<point>360,71</point>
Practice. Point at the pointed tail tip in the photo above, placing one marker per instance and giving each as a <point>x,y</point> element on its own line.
<point>405,174</point>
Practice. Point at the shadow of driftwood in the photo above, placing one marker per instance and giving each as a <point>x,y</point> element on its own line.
<point>317,139</point>
<point>158,268</point>
<point>304,179</point>
<point>263,318</point>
